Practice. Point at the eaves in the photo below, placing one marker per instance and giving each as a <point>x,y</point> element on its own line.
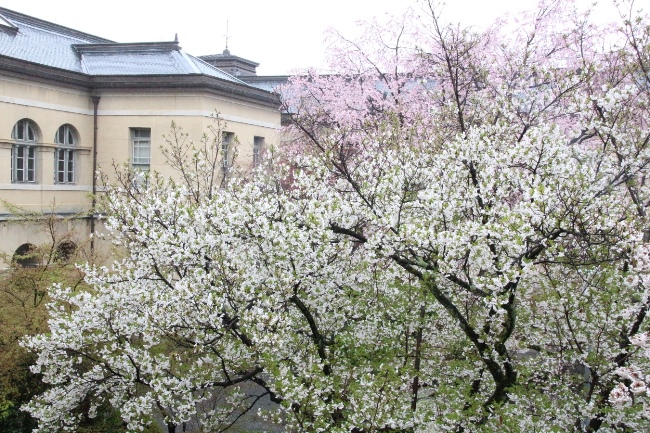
<point>45,74</point>
<point>135,83</point>
<point>176,83</point>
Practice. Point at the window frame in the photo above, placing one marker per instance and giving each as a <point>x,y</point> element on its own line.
<point>140,143</point>
<point>227,138</point>
<point>64,154</point>
<point>258,146</point>
<point>23,151</point>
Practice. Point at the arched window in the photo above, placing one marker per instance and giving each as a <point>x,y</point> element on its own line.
<point>23,152</point>
<point>26,256</point>
<point>65,251</point>
<point>66,140</point>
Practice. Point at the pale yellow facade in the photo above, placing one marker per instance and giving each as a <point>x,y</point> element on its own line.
<point>119,113</point>
<point>48,106</point>
<point>73,104</point>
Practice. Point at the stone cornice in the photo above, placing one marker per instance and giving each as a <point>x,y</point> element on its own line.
<point>24,69</point>
<point>172,83</point>
<point>198,82</point>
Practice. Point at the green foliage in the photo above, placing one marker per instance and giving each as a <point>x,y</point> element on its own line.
<point>23,299</point>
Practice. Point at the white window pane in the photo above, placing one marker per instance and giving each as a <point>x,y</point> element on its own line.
<point>141,148</point>
<point>70,171</point>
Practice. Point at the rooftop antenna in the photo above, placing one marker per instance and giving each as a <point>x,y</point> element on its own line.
<point>227,51</point>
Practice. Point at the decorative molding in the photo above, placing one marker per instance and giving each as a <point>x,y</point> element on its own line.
<point>142,84</point>
<point>171,113</point>
<point>45,105</point>
<point>187,113</point>
<point>38,187</point>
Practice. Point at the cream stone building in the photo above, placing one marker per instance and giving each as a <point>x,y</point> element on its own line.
<point>71,103</point>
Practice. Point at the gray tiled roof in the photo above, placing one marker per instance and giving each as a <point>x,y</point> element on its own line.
<point>208,69</point>
<point>136,63</point>
<point>37,41</point>
<point>268,83</point>
<point>42,42</point>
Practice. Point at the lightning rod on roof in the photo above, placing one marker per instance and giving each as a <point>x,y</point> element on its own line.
<point>226,51</point>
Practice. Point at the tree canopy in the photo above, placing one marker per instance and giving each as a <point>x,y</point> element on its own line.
<point>452,238</point>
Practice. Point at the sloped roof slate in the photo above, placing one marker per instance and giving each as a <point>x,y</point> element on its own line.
<point>213,71</point>
<point>44,43</point>
<point>268,83</point>
<point>135,63</point>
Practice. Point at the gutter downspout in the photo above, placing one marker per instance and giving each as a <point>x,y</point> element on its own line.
<point>95,100</point>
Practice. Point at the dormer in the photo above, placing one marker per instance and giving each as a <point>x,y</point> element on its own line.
<point>234,65</point>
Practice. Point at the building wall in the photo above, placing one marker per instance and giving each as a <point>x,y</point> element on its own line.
<point>49,106</point>
<point>119,113</point>
<point>15,233</point>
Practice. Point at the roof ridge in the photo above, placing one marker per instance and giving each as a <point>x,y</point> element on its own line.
<point>50,26</point>
<point>7,24</point>
<point>117,47</point>
<point>181,62</point>
<point>220,70</point>
<point>187,58</point>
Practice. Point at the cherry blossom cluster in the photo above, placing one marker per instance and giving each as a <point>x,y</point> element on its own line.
<point>450,238</point>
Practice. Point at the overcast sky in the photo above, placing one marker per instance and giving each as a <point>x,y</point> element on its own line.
<point>281,35</point>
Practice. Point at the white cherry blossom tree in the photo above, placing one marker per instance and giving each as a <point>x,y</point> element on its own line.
<point>450,242</point>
